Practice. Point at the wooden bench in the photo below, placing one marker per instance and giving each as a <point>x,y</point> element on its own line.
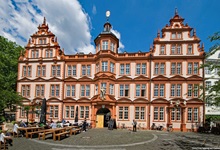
<point>60,134</point>
<point>36,132</point>
<point>44,133</point>
<point>74,131</point>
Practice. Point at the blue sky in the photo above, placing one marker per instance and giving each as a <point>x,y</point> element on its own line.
<point>77,23</point>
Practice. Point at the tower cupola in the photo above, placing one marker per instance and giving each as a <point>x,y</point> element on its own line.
<point>106,40</point>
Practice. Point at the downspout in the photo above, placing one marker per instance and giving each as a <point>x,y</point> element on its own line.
<point>149,109</point>
<point>64,69</point>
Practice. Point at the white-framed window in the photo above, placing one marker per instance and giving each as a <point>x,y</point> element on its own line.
<point>104,45</point>
<point>84,112</point>
<point>159,68</point>
<point>42,41</point>
<point>127,69</point>
<point>69,112</point>
<point>193,114</point>
<point>35,54</point>
<point>41,70</point>
<point>22,113</point>
<point>176,90</point>
<point>49,53</point>
<point>193,68</point>
<point>176,35</point>
<point>140,113</point>
<point>173,49</point>
<point>55,70</point>
<point>53,111</point>
<point>162,49</point>
<point>55,90</point>
<point>112,67</point>
<point>162,90</point>
<point>159,90</point>
<point>86,70</point>
<point>123,112</point>
<point>156,68</point>
<point>179,68</point>
<point>122,69</point>
<point>193,90</point>
<point>176,114</point>
<point>124,90</point>
<point>190,49</point>
<point>196,68</point>
<point>190,68</point>
<point>104,66</point>
<point>85,90</point>
<point>141,68</point>
<point>173,68</point>
<point>112,46</point>
<point>179,49</point>
<point>25,90</point>
<point>141,90</point>
<point>111,89</point>
<point>71,70</point>
<point>138,68</point>
<point>156,89</point>
<point>158,113</point>
<point>70,90</point>
<point>40,89</point>
<point>26,71</point>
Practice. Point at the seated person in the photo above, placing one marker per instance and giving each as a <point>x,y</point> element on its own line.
<point>23,124</point>
<point>8,138</point>
<point>63,121</point>
<point>53,125</point>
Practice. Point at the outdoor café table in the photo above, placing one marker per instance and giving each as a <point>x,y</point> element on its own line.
<point>28,129</point>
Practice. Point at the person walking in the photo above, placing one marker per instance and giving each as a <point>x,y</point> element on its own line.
<point>134,123</point>
<point>84,125</point>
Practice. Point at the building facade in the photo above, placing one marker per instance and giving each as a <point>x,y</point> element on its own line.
<point>211,76</point>
<point>160,86</point>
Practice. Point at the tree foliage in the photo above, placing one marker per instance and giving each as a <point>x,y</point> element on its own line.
<point>9,54</point>
<point>213,92</point>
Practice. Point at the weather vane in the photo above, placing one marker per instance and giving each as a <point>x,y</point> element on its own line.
<point>107,14</point>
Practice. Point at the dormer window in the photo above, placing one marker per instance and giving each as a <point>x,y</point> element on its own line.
<point>162,49</point>
<point>105,45</point>
<point>112,47</point>
<point>34,54</point>
<point>42,41</point>
<point>190,50</point>
<point>176,35</point>
<point>49,53</point>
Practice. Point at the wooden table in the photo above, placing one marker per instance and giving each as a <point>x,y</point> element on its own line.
<point>28,129</point>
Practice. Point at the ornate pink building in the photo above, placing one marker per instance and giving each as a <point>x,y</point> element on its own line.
<point>160,86</point>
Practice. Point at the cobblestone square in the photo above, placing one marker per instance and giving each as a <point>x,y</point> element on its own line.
<point>121,139</point>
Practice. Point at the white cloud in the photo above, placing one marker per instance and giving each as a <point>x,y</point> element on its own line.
<point>66,19</point>
<point>118,35</point>
<point>94,10</point>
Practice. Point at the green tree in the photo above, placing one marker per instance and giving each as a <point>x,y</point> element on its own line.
<point>213,92</point>
<point>9,54</point>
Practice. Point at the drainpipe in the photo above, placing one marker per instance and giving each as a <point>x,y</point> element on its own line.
<point>149,109</point>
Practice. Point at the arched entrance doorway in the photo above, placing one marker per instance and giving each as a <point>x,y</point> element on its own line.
<point>103,115</point>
